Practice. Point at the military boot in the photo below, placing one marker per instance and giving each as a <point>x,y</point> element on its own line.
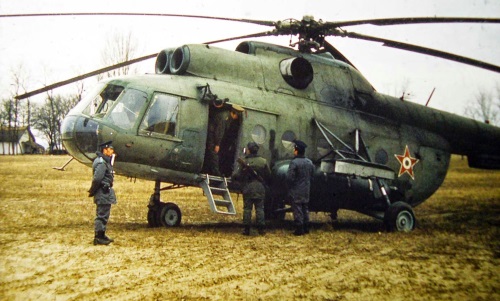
<point>261,230</point>
<point>299,230</point>
<point>100,239</point>
<point>306,228</point>
<point>246,231</point>
<point>108,238</point>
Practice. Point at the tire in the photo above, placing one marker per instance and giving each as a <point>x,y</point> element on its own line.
<point>154,215</point>
<point>399,217</point>
<point>170,215</point>
<point>153,220</point>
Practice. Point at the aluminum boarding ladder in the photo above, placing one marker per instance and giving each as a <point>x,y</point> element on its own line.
<point>217,186</point>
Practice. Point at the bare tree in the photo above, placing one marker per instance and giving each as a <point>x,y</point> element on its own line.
<point>486,107</point>
<point>119,48</point>
<point>48,117</point>
<point>14,114</point>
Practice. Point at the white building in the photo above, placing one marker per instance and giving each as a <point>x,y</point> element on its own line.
<point>16,141</point>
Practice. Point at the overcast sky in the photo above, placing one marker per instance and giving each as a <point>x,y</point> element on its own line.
<point>55,48</point>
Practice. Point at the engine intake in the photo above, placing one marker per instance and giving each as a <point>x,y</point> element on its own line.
<point>173,61</point>
<point>180,59</point>
<point>162,65</point>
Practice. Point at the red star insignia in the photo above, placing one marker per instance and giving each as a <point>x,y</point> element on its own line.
<point>407,163</point>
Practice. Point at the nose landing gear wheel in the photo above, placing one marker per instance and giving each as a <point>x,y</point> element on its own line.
<point>399,217</point>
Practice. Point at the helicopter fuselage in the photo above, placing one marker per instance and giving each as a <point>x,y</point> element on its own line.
<point>158,125</point>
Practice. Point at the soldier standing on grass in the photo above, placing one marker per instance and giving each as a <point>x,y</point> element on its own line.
<point>253,174</point>
<point>299,175</point>
<point>102,191</point>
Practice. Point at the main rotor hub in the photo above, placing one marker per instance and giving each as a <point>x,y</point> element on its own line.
<point>311,33</point>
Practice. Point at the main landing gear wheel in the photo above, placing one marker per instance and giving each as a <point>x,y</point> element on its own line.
<point>162,214</point>
<point>399,217</point>
<point>170,215</point>
<point>154,215</point>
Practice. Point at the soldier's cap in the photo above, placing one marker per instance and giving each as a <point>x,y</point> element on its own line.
<point>106,145</point>
<point>253,147</point>
<point>300,145</point>
<point>237,108</point>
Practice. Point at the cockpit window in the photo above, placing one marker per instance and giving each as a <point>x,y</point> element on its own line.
<point>85,106</point>
<point>104,101</point>
<point>99,100</point>
<point>127,108</point>
<point>161,117</point>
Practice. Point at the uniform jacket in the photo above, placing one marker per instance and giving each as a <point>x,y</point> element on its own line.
<point>252,188</point>
<point>102,181</point>
<point>217,125</point>
<point>299,176</point>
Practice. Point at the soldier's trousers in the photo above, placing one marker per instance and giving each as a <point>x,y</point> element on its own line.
<point>211,161</point>
<point>248,204</point>
<point>300,213</point>
<point>102,213</point>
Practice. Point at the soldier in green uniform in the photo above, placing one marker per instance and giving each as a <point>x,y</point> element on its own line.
<point>220,118</point>
<point>102,191</point>
<point>253,173</point>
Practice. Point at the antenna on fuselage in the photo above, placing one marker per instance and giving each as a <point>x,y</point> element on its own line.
<point>430,96</point>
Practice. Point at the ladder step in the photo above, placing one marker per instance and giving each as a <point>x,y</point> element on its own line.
<point>218,190</point>
<point>215,178</point>
<point>223,203</point>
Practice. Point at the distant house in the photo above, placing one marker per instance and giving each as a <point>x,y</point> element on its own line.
<point>16,141</point>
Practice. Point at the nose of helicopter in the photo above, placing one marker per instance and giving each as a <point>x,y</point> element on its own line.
<point>79,136</point>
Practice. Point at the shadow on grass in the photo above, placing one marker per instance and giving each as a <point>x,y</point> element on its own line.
<point>271,226</point>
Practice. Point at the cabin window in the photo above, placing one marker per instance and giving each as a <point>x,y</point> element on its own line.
<point>381,156</point>
<point>259,134</point>
<point>124,114</point>
<point>161,117</point>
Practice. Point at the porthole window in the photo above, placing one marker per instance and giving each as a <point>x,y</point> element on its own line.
<point>259,134</point>
<point>381,157</point>
<point>287,140</point>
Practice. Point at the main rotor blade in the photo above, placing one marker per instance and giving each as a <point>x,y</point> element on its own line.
<point>424,50</point>
<point>412,20</point>
<point>84,76</point>
<point>337,54</point>
<point>259,22</point>
<point>378,22</point>
<point>254,35</point>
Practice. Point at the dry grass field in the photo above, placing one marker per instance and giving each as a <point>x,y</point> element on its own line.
<point>46,251</point>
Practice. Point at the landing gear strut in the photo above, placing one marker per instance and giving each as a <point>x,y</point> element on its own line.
<point>162,214</point>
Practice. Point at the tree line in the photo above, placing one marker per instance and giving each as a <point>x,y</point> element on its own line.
<point>48,115</point>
